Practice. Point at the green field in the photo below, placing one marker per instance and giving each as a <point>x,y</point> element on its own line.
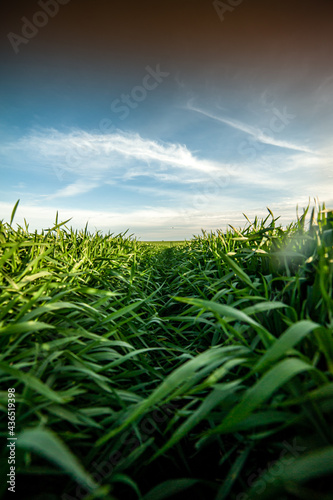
<point>199,369</point>
<point>165,244</point>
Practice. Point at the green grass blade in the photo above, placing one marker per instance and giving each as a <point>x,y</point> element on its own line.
<point>261,391</point>
<point>31,382</point>
<point>48,445</point>
<point>14,212</point>
<point>169,488</point>
<point>282,345</point>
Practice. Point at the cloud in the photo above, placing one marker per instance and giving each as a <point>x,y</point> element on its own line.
<point>93,159</point>
<point>76,147</point>
<point>258,134</point>
<point>77,188</point>
<point>152,223</point>
<point>160,185</point>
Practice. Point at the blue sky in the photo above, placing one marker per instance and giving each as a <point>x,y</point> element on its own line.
<point>157,144</point>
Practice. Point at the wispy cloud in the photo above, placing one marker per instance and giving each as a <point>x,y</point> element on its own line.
<point>152,186</point>
<point>258,134</point>
<point>75,189</point>
<point>149,222</point>
<point>77,146</point>
<point>93,159</point>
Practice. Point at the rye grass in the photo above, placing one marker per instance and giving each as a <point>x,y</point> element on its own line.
<point>144,371</point>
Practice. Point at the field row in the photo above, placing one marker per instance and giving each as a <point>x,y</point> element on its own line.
<point>144,371</point>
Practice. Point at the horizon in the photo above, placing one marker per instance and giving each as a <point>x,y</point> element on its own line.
<point>164,120</point>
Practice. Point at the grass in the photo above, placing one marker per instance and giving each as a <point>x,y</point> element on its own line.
<point>165,244</point>
<point>150,371</point>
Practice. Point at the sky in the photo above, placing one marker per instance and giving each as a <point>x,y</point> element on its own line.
<point>164,118</point>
